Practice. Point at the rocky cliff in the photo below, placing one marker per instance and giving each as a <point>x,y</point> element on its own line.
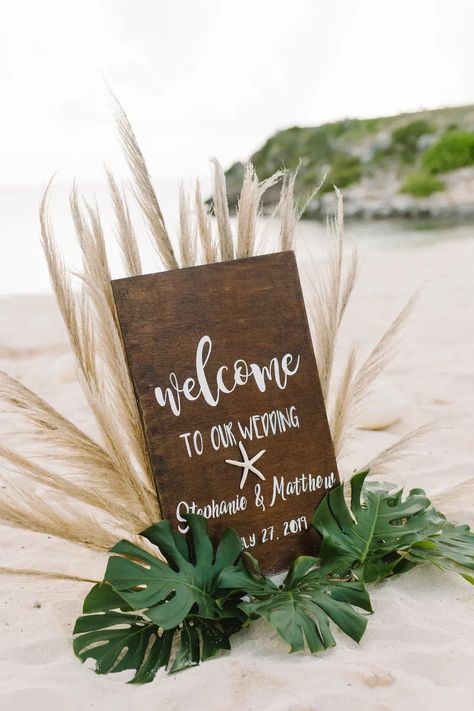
<point>411,165</point>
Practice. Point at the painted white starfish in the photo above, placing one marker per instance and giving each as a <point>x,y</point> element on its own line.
<point>247,464</point>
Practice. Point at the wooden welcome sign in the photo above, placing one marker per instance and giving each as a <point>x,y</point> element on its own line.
<point>228,390</point>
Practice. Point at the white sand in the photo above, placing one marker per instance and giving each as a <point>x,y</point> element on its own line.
<point>418,652</point>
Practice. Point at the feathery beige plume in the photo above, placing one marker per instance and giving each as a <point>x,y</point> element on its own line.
<point>288,212</point>
<point>221,212</point>
<point>47,426</point>
<point>113,382</point>
<point>125,232</point>
<point>453,497</point>
<point>187,234</point>
<point>209,247</point>
<point>331,291</point>
<point>88,490</point>
<point>249,210</point>
<point>341,406</point>
<point>23,508</point>
<point>93,329</point>
<point>402,448</point>
<point>357,384</point>
<point>247,213</point>
<point>380,355</point>
<point>144,190</point>
<point>47,574</point>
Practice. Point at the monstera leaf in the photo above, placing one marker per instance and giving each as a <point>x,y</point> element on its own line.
<point>450,549</point>
<point>144,604</point>
<point>119,639</point>
<point>137,644</point>
<point>187,584</point>
<point>202,639</point>
<point>379,524</point>
<point>300,611</point>
<point>150,614</point>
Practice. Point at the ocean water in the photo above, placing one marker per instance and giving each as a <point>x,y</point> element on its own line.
<point>23,269</point>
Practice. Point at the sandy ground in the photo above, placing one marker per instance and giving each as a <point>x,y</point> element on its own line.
<point>418,652</point>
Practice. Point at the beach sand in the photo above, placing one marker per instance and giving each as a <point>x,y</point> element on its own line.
<point>418,652</point>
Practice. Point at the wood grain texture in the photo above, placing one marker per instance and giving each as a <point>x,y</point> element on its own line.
<point>251,309</point>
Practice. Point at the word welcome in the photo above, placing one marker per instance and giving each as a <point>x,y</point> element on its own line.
<point>225,380</point>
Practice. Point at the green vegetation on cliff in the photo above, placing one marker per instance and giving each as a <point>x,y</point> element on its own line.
<point>411,148</point>
<point>453,150</point>
<point>421,184</point>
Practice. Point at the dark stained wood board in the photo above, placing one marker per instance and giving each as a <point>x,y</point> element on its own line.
<point>189,323</point>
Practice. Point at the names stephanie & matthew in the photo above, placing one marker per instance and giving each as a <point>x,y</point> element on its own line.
<point>281,491</point>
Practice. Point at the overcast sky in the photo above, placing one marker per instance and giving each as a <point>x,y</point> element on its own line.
<point>213,78</point>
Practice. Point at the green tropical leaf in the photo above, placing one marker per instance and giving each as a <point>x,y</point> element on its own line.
<point>118,638</point>
<point>188,584</point>
<point>451,549</point>
<point>131,619</point>
<point>378,524</point>
<point>246,578</point>
<point>202,639</point>
<point>202,595</point>
<point>300,611</point>
<point>119,641</point>
<point>103,597</point>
